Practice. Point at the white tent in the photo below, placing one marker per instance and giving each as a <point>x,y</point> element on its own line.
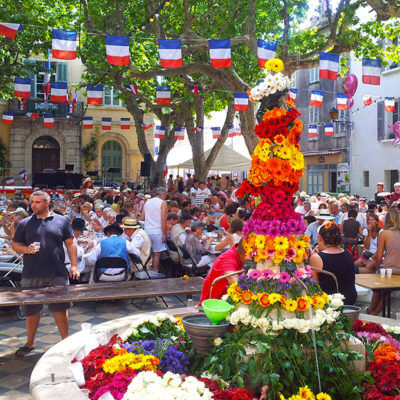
<point>226,160</point>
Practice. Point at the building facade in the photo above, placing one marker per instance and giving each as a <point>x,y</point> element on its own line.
<point>34,148</point>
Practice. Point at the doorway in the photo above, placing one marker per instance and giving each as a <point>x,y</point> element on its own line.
<point>45,154</point>
<point>111,157</point>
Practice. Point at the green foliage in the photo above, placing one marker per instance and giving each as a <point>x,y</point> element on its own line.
<point>4,151</point>
<point>89,151</point>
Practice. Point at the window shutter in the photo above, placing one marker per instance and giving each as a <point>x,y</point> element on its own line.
<point>62,72</point>
<point>381,120</point>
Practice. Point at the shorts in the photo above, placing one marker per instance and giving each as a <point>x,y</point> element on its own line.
<point>42,282</point>
<point>157,244</point>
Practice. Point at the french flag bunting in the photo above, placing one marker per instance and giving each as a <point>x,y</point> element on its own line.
<point>329,130</point>
<point>216,132</point>
<point>24,176</point>
<point>328,66</point>
<point>198,129</point>
<point>241,101</point>
<point>231,131</point>
<point>74,100</point>
<point>238,129</point>
<point>10,181</point>
<point>367,100</point>
<point>317,97</point>
<point>163,94</point>
<point>292,95</point>
<point>371,71</point>
<point>22,87</point>
<point>117,50</point>
<point>146,125</point>
<point>170,51</point>
<point>9,30</point>
<point>48,120</point>
<point>195,89</point>
<point>46,76</point>
<point>87,123</point>
<point>341,102</point>
<point>94,94</point>
<point>220,53</point>
<point>179,133</point>
<point>312,131</point>
<point>106,123</point>
<point>64,44</point>
<point>265,51</point>
<point>132,88</point>
<point>32,116</point>
<point>159,132</point>
<point>8,117</point>
<point>389,104</point>
<point>125,123</point>
<point>58,92</point>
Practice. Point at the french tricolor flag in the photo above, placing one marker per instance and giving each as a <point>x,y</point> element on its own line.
<point>389,104</point>
<point>216,132</point>
<point>8,117</point>
<point>132,88</point>
<point>195,89</point>
<point>117,50</point>
<point>9,30</point>
<point>241,101</point>
<point>159,132</point>
<point>106,123</point>
<point>163,94</point>
<point>179,133</point>
<point>292,95</point>
<point>48,120</point>
<point>367,100</point>
<point>64,44</point>
<point>198,129</point>
<point>328,66</point>
<point>265,51</point>
<point>329,130</point>
<point>94,94</point>
<point>125,123</point>
<point>238,130</point>
<point>32,116</point>
<point>146,125</point>
<point>317,97</point>
<point>312,131</point>
<point>220,53</point>
<point>371,71</point>
<point>341,102</point>
<point>10,181</point>
<point>87,123</point>
<point>58,92</point>
<point>170,51</point>
<point>24,176</point>
<point>231,131</point>
<point>22,87</point>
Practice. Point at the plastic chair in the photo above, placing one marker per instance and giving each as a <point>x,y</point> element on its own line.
<point>110,269</point>
<point>190,266</point>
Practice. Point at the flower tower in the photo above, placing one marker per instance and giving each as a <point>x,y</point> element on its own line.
<point>274,237</point>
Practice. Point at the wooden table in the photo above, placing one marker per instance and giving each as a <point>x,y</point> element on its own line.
<point>101,291</point>
<point>384,285</point>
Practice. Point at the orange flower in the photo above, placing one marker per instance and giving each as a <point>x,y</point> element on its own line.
<point>302,304</point>
<point>247,297</point>
<point>263,300</point>
<point>279,139</point>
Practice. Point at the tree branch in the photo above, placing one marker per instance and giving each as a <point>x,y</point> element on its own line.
<point>88,21</point>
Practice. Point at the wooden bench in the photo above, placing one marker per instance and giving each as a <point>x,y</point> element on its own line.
<point>101,291</point>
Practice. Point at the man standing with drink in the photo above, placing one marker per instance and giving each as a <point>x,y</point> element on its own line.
<point>40,239</point>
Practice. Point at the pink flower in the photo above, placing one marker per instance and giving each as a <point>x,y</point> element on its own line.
<point>284,277</point>
<point>266,274</point>
<point>254,274</point>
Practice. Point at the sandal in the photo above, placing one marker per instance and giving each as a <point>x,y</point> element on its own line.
<point>23,351</point>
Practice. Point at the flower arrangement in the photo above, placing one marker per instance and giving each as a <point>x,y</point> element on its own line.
<point>306,393</point>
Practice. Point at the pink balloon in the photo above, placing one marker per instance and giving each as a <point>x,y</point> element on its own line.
<point>350,85</point>
<point>350,103</point>
<point>395,128</point>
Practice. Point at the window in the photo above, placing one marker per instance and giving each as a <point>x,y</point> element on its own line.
<point>314,75</point>
<point>343,115</point>
<point>366,178</point>
<point>112,97</point>
<point>313,115</point>
<point>315,182</point>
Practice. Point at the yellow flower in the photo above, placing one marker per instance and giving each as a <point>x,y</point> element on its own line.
<point>320,302</point>
<point>260,241</point>
<point>274,64</point>
<point>274,297</point>
<point>323,396</point>
<point>291,305</point>
<point>306,393</point>
<point>281,243</point>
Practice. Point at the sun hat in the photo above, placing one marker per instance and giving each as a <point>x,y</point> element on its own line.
<point>88,180</point>
<point>140,195</point>
<point>324,214</point>
<point>147,196</point>
<point>21,211</point>
<point>130,223</point>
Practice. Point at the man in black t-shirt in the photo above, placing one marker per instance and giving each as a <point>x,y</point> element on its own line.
<point>40,239</point>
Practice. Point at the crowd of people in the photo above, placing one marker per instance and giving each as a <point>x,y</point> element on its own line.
<point>63,235</point>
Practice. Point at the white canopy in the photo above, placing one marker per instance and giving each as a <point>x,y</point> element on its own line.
<point>226,160</point>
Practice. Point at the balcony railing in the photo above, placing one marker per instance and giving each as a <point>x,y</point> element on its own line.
<point>41,107</point>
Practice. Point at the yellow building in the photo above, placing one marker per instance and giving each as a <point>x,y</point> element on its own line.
<point>36,148</point>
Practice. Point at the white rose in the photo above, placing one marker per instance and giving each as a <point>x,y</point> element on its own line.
<point>217,341</point>
<point>246,320</point>
<point>277,326</point>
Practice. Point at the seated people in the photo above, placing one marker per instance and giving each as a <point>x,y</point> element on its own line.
<point>230,261</point>
<point>179,233</point>
<point>330,256</point>
<point>196,246</point>
<point>234,236</point>
<point>134,233</point>
<point>351,227</point>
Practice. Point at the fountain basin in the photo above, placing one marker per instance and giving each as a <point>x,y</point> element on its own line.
<point>202,331</point>
<point>352,312</point>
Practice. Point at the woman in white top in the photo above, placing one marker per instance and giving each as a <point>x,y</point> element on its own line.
<point>234,236</point>
<point>367,263</point>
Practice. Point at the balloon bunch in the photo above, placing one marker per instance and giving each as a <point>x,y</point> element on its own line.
<point>349,86</point>
<point>396,130</point>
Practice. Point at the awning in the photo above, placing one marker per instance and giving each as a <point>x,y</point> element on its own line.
<point>226,160</point>
<point>321,153</point>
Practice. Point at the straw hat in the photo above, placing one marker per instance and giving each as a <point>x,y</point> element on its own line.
<point>130,223</point>
<point>325,215</point>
